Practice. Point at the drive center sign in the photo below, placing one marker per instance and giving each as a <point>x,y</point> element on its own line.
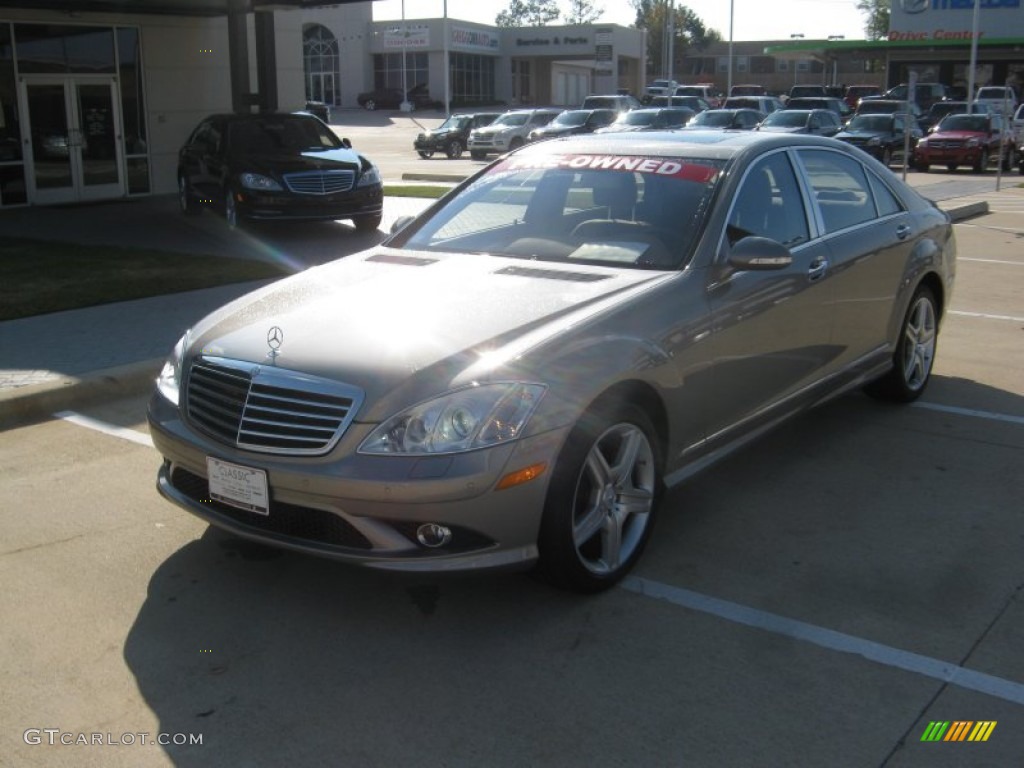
<point>925,20</point>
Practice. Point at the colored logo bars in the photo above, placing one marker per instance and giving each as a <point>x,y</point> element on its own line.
<point>959,730</point>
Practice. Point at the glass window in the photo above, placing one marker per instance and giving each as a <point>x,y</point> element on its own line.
<point>10,131</point>
<point>769,204</point>
<point>840,187</point>
<point>387,70</point>
<point>886,202</point>
<point>321,58</point>
<point>133,107</point>
<point>472,79</point>
<point>62,48</point>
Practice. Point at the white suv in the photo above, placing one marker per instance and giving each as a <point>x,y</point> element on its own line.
<point>508,131</point>
<point>705,91</point>
<point>1002,98</point>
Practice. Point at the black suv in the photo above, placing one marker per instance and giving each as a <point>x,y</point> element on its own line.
<point>452,135</point>
<point>882,136</point>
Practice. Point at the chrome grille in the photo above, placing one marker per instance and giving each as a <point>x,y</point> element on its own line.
<point>946,144</point>
<point>268,409</point>
<point>320,182</point>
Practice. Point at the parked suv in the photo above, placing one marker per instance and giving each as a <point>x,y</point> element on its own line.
<point>799,91</point>
<point>882,136</point>
<point>452,136</point>
<point>706,91</point>
<point>508,131</point>
<point>1002,98</point>
<point>925,94</point>
<point>854,93</point>
<point>574,121</point>
<point>968,139</point>
<point>661,88</point>
<point>766,104</point>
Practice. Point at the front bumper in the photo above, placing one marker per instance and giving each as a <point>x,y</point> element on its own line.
<point>289,206</point>
<point>363,509</point>
<point>948,156</point>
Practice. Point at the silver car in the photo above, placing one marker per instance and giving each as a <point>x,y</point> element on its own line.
<point>513,378</point>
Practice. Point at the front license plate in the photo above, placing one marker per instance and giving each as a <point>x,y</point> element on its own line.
<point>242,487</point>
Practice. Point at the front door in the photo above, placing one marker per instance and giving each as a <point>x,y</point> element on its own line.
<point>72,138</point>
<point>321,87</point>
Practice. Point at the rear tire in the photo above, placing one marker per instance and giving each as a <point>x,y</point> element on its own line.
<point>601,503</point>
<point>369,105</point>
<point>915,352</point>
<point>188,203</point>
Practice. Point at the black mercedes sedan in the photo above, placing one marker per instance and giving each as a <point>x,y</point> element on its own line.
<point>277,167</point>
<point>882,136</point>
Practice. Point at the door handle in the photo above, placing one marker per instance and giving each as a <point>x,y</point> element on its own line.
<point>903,231</point>
<point>817,269</point>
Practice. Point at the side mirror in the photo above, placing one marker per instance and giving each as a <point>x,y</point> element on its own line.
<point>759,254</point>
<point>346,143</point>
<point>401,223</point>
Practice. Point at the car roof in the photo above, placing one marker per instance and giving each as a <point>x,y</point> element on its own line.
<point>689,143</point>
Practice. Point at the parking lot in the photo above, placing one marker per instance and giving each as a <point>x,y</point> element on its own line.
<point>818,599</point>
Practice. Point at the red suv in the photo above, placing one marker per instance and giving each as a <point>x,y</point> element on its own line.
<point>967,139</point>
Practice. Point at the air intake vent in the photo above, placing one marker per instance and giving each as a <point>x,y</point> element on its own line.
<point>553,274</point>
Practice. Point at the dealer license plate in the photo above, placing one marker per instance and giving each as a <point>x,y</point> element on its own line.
<point>242,487</point>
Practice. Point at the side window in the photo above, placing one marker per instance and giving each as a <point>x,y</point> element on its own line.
<point>769,204</point>
<point>885,200</point>
<point>840,188</point>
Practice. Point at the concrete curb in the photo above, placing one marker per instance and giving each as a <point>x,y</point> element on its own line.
<point>967,211</point>
<point>448,178</point>
<point>37,402</point>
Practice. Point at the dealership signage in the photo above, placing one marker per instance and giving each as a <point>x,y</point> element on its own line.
<point>938,20</point>
<point>474,39</point>
<point>407,37</point>
<point>540,42</point>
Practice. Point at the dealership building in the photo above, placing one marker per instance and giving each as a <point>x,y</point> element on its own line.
<point>97,96</point>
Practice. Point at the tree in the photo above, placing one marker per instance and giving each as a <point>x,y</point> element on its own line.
<point>582,12</point>
<point>689,32</point>
<point>528,13</point>
<point>877,25</point>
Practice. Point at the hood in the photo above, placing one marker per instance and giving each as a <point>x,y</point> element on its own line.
<point>957,135</point>
<point>386,318</point>
<point>782,129</point>
<point>859,134</point>
<point>309,160</point>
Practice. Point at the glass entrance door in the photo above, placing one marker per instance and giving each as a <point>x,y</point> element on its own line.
<point>72,138</point>
<point>321,87</point>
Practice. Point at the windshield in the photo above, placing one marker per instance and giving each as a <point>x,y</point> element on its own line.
<point>631,211</point>
<point>454,123</point>
<point>637,117</point>
<point>994,93</point>
<point>870,123</point>
<point>880,107</point>
<point>964,123</point>
<point>275,134</point>
<point>511,119</point>
<point>689,91</point>
<point>795,118</point>
<point>576,117</point>
<point>714,118</point>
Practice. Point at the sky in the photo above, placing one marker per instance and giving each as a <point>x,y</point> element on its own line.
<point>752,19</point>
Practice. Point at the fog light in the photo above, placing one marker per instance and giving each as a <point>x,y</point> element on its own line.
<point>433,535</point>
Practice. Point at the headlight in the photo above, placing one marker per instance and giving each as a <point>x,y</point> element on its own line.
<point>973,143</point>
<point>874,141</point>
<point>369,176</point>
<point>259,181</point>
<point>463,420</point>
<point>168,383</point>
<point>922,144</point>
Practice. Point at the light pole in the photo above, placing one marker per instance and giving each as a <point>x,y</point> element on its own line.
<point>835,59</point>
<point>728,89</point>
<point>796,36</point>
<point>974,54</point>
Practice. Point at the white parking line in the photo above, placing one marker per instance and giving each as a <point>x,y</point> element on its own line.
<point>991,261</point>
<point>984,316</point>
<point>971,412</point>
<point>830,639</point>
<point>108,429</point>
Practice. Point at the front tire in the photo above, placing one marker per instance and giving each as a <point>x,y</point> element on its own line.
<point>982,165</point>
<point>915,352</point>
<point>426,155</point>
<point>369,105</point>
<point>231,215</point>
<point>601,503</point>
<point>886,157</point>
<point>367,223</point>
<point>454,149</point>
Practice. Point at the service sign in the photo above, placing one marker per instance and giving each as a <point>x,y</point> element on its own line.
<point>938,20</point>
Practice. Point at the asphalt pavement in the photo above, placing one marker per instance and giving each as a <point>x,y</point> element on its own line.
<point>64,359</point>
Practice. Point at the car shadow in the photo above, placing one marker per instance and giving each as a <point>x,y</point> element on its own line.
<point>270,653</point>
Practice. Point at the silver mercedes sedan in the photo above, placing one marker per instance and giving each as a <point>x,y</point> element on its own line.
<point>513,378</point>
